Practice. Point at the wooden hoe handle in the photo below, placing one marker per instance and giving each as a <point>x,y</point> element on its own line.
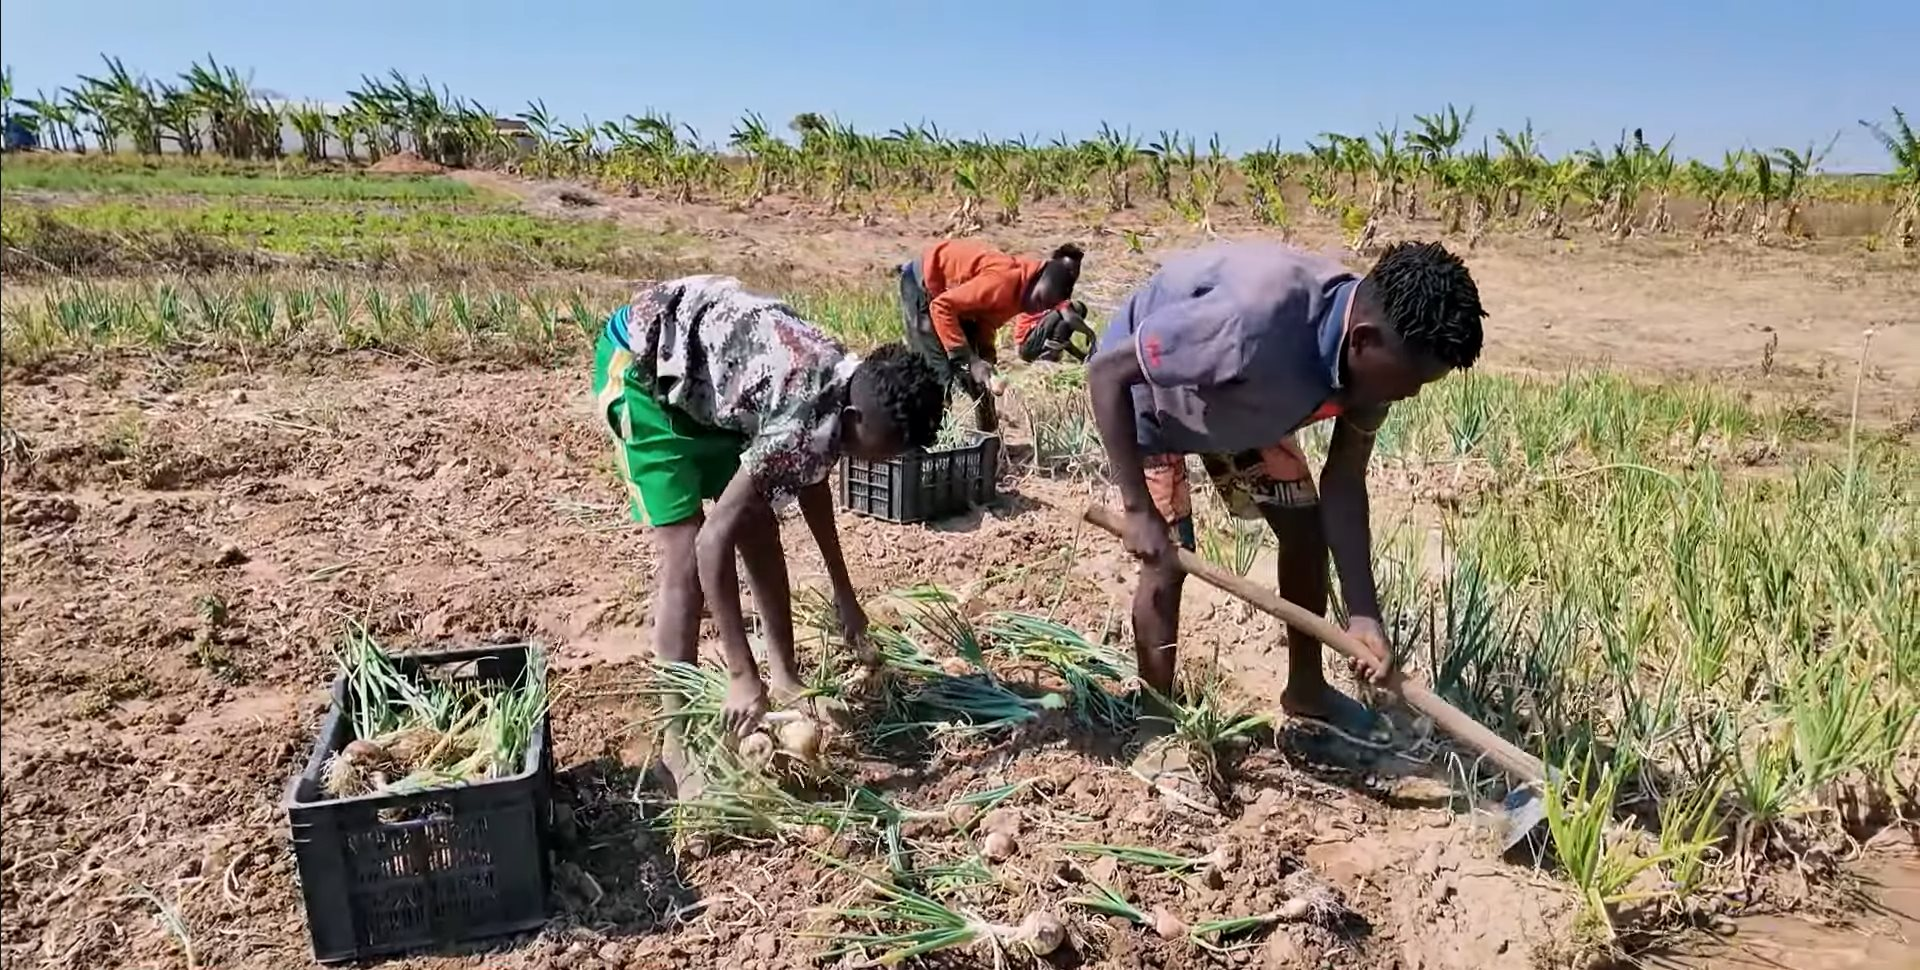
<point>1418,696</point>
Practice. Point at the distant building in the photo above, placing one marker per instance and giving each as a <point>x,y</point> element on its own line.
<point>516,131</point>
<point>19,136</point>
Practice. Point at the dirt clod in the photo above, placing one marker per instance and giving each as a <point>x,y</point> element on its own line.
<point>1283,952</point>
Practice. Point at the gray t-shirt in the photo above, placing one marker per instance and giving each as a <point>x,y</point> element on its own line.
<point>1240,343</point>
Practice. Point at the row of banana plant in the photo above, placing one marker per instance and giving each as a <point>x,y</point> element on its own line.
<point>1429,169</point>
<point>213,109</point>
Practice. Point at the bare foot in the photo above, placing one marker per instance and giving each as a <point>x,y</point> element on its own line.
<point>685,781</point>
<point>1323,704</point>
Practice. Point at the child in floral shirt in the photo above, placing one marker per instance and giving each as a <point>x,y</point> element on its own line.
<point>712,392</point>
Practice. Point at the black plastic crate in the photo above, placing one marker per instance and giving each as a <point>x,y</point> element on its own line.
<point>384,874</point>
<point>920,484</point>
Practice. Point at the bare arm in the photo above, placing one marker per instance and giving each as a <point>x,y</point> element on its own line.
<point>816,506</point>
<point>1111,377</point>
<point>1344,512</point>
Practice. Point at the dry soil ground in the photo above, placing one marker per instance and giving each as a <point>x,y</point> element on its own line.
<point>184,541</point>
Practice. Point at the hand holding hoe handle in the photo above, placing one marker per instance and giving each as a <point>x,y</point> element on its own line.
<point>1418,696</point>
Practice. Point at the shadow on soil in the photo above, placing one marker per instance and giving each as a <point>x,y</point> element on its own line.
<point>613,867</point>
<point>1008,504</point>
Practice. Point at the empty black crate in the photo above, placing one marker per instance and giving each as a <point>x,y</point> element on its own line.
<point>920,484</point>
<point>386,873</point>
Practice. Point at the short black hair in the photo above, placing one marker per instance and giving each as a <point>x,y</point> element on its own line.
<point>1430,301</point>
<point>1063,267</point>
<point>900,387</point>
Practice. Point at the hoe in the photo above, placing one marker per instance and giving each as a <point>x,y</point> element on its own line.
<point>1523,808</point>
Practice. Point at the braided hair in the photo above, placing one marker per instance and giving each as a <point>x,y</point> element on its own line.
<point>1430,301</point>
<point>898,387</point>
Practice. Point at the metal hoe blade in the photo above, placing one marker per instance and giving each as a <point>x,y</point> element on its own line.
<point>1525,809</point>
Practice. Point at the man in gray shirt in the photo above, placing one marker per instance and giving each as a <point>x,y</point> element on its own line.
<point>1225,353</point>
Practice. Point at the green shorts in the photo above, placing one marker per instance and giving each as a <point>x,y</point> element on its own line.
<point>669,462</point>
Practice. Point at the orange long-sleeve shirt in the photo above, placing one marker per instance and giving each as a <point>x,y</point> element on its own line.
<point>972,281</point>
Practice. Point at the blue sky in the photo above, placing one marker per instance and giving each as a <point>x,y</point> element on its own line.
<point>1717,75</point>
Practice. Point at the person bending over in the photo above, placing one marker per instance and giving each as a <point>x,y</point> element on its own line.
<point>1051,335</point>
<point>714,393</point>
<point>1225,353</point>
<point>955,298</point>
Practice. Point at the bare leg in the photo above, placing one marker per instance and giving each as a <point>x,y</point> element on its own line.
<point>1156,629</point>
<point>676,636</point>
<point>676,605</point>
<point>1162,762</point>
<point>766,562</point>
<point>1303,580</point>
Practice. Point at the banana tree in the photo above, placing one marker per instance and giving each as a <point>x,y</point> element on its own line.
<point>914,155</point>
<point>1163,157</point>
<point>1116,153</point>
<point>129,101</point>
<point>236,125</point>
<point>1074,165</point>
<point>1710,185</point>
<point>356,126</point>
<point>540,125</point>
<point>1521,162</point>
<point>178,115</point>
<point>1795,168</point>
<point>56,123</point>
<point>1660,173</point>
<point>1450,179</point>
<point>578,145</point>
<point>1266,174</point>
<point>1320,180</point>
<point>1356,158</point>
<point>1901,143</point>
<point>1764,188</point>
<point>1433,142</point>
<point>90,109</point>
<point>765,153</point>
<point>311,124</point>
<point>1389,164</point>
<point>1206,177</point>
<point>1479,181</point>
<point>1556,186</point>
<point>1032,170</point>
<point>965,217</point>
<point>1619,178</point>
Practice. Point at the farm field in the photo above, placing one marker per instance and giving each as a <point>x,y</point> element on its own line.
<point>1665,537</point>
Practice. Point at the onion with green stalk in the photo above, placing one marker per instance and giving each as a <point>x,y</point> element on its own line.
<point>412,734</point>
<point>902,924</point>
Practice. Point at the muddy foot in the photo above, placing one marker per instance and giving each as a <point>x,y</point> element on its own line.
<point>1337,712</point>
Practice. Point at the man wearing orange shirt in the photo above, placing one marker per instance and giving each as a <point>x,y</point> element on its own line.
<point>955,298</point>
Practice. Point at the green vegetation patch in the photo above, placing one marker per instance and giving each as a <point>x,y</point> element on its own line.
<point>118,175</point>
<point>494,318</point>
<point>116,236</point>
